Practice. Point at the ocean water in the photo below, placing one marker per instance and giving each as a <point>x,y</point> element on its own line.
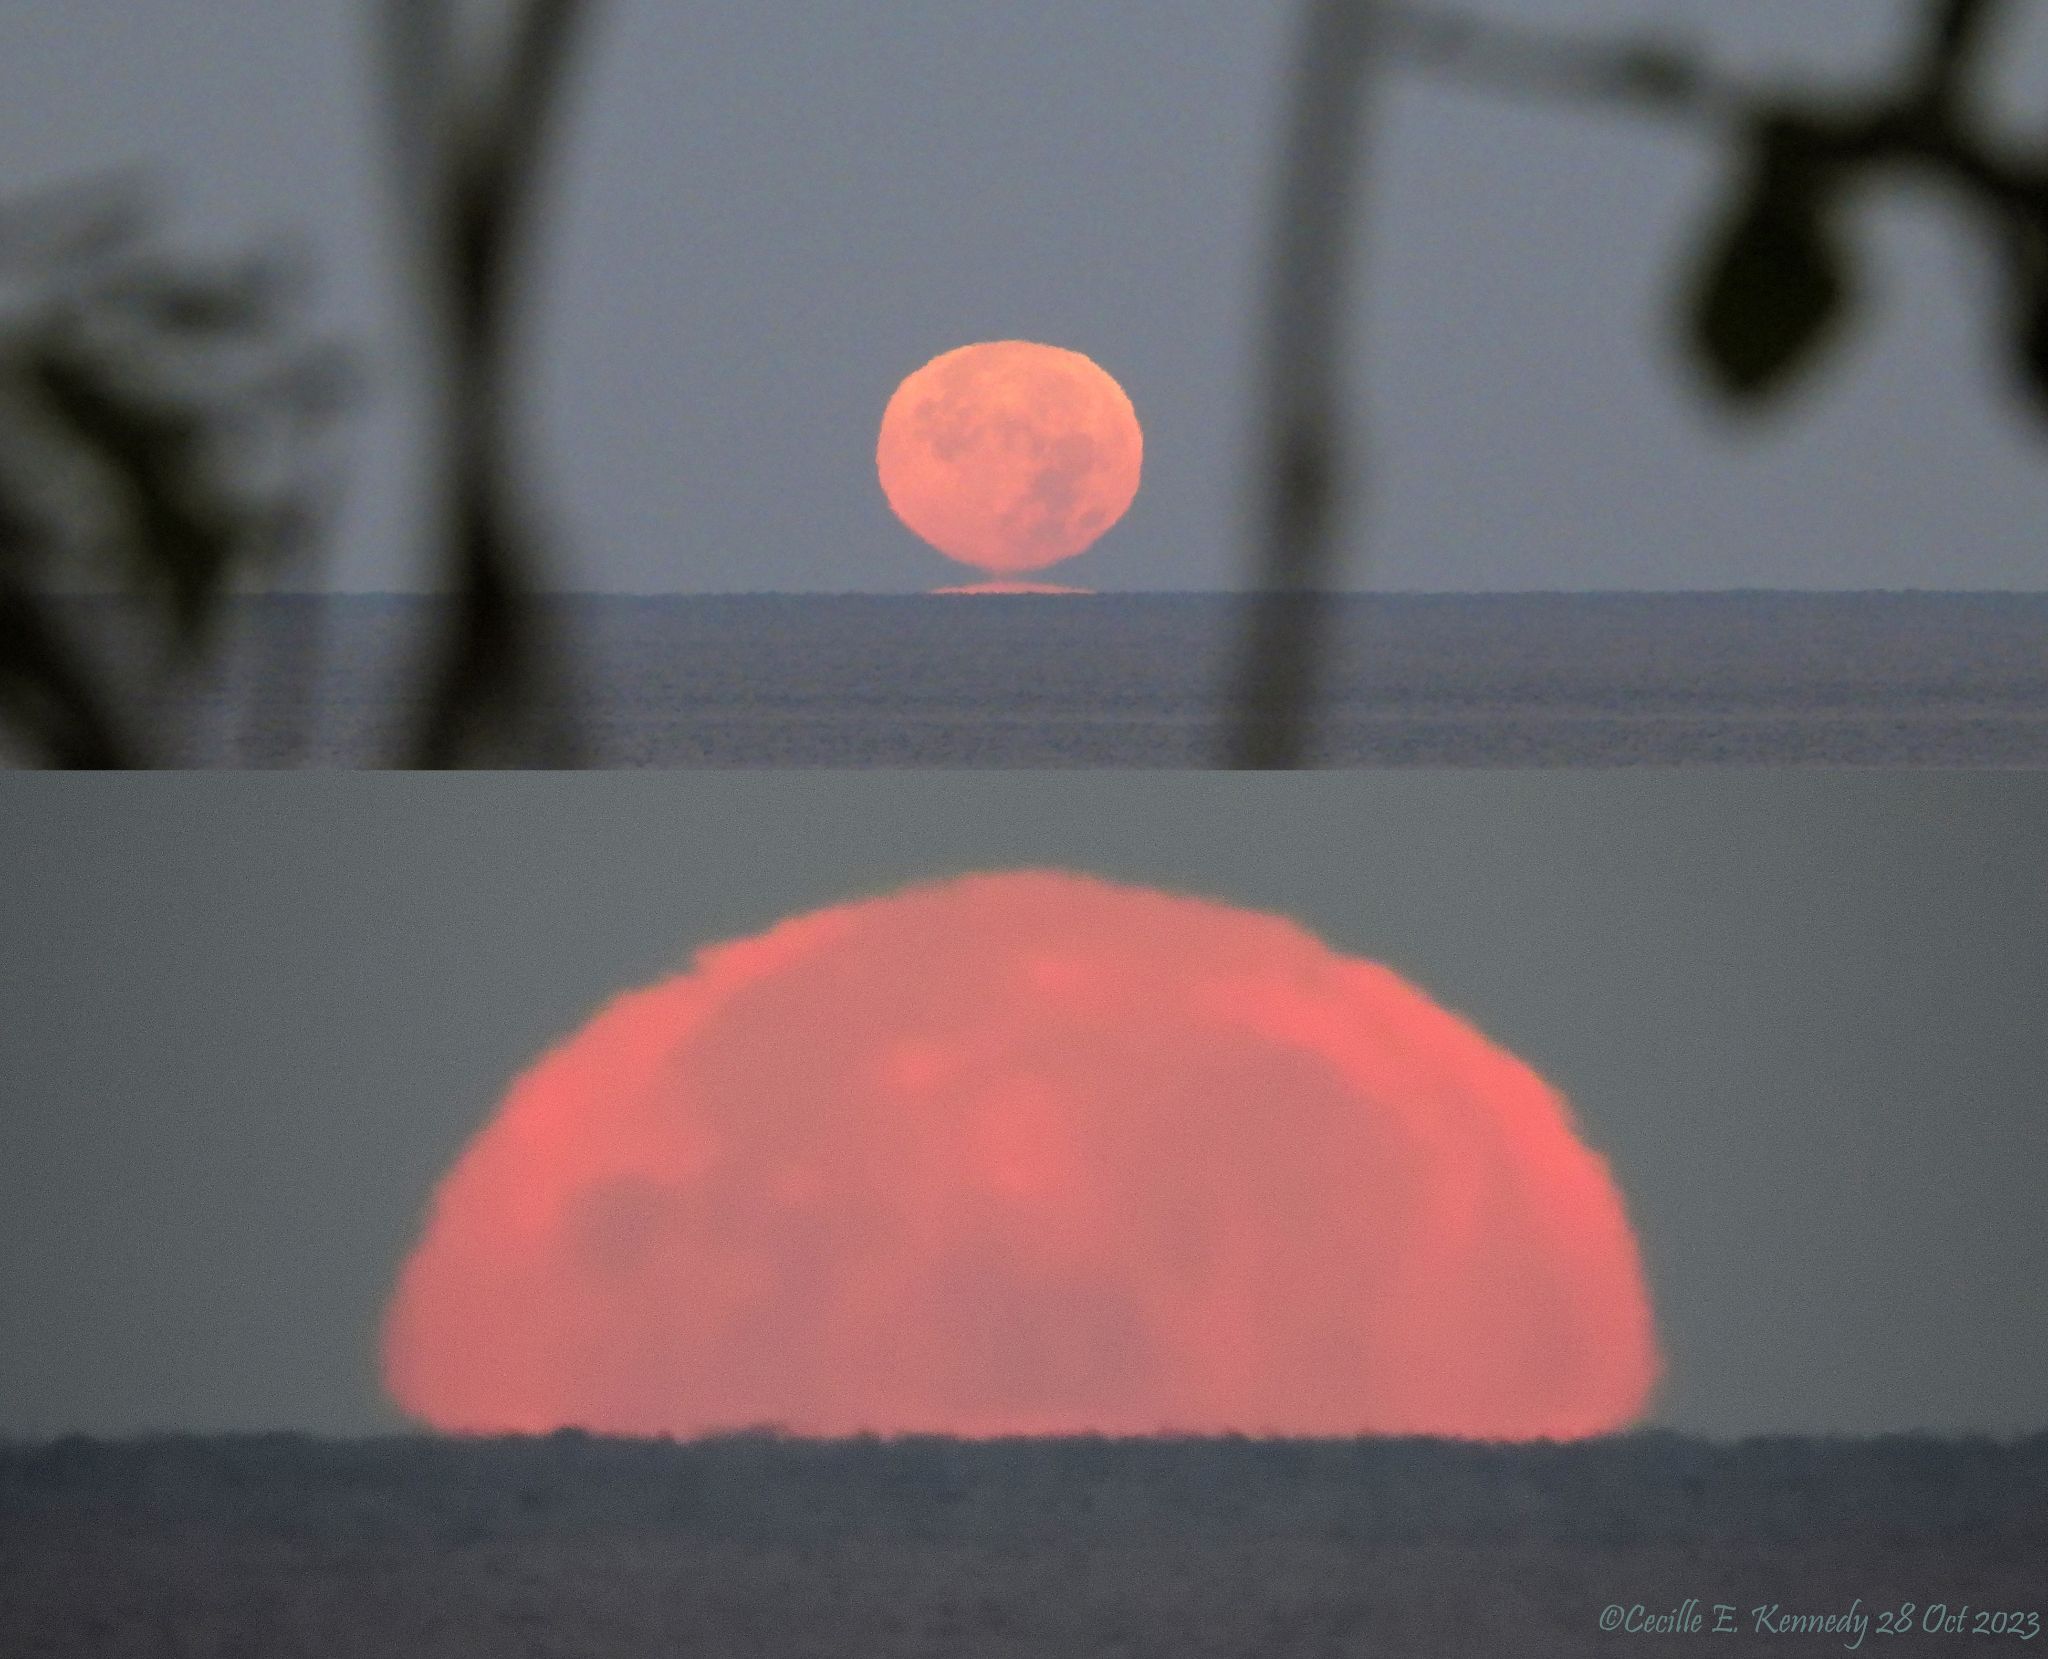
<point>1742,679</point>
<point>283,1546</point>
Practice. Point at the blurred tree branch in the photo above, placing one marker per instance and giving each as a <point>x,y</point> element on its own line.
<point>159,427</point>
<point>46,692</point>
<point>469,145</point>
<point>124,420</point>
<point>1772,292</point>
<point>1303,436</point>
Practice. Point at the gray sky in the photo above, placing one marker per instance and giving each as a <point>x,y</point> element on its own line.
<point>246,1022</point>
<point>774,213</point>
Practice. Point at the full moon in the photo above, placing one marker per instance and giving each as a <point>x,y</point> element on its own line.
<point>1010,456</point>
<point>1027,1153</point>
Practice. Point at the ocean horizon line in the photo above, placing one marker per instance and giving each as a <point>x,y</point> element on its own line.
<point>605,595</point>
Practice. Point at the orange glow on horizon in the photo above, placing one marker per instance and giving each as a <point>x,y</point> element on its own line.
<point>1028,1153</point>
<point>1010,456</point>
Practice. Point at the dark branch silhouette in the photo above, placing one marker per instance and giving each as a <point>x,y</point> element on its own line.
<point>47,692</point>
<point>1305,456</point>
<point>1773,291</point>
<point>470,153</point>
<point>160,426</point>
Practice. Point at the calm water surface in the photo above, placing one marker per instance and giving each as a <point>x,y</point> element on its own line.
<point>1137,681</point>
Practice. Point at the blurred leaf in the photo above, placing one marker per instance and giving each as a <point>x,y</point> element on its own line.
<point>163,421</point>
<point>1775,289</point>
<point>182,535</point>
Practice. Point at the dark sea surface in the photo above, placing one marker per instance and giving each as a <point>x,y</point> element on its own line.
<point>751,1547</point>
<point>1137,680</point>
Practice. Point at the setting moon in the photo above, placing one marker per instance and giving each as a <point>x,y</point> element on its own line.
<point>1010,456</point>
<point>1027,1153</point>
